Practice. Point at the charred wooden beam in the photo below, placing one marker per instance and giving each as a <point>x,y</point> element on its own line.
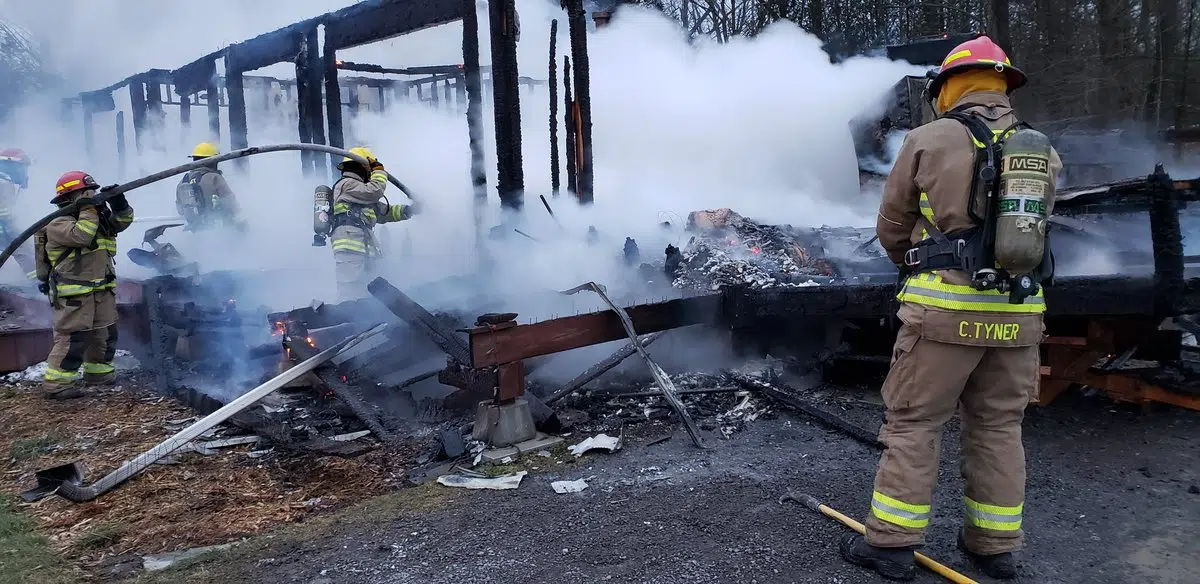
<point>553,82</point>
<point>185,116</point>
<point>1069,296</point>
<point>89,137</point>
<point>494,346</point>
<point>583,100</point>
<point>213,93</point>
<point>308,100</point>
<point>238,133</point>
<point>471,96</point>
<point>120,128</point>
<point>303,121</point>
<point>1168,244</point>
<point>349,395</point>
<point>333,102</point>
<point>416,315</point>
<point>506,104</point>
<point>366,22</point>
<point>427,70</point>
<point>569,125</point>
<point>137,106</point>
<point>603,367</point>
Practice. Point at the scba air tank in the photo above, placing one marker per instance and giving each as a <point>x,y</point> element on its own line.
<point>321,201</point>
<point>1025,189</point>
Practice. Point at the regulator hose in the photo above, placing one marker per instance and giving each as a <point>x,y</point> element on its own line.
<point>107,193</point>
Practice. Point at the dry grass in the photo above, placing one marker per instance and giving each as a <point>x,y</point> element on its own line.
<point>199,501</point>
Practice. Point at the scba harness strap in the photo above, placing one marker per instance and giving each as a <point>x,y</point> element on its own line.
<point>971,250</point>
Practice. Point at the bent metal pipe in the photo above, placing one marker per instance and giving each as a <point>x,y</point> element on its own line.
<point>114,190</point>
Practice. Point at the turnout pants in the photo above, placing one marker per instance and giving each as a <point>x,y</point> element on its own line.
<point>85,335</point>
<point>985,365</point>
<point>353,271</point>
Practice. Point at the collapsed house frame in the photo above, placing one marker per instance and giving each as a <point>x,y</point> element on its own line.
<point>312,46</point>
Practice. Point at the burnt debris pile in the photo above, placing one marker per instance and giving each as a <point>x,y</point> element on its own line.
<point>727,250</point>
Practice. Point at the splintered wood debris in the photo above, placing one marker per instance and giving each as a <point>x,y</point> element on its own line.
<point>201,500</point>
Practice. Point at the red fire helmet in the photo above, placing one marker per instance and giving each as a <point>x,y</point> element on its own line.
<point>980,53</point>
<point>15,155</point>
<point>72,181</point>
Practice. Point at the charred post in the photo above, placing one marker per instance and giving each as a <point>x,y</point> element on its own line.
<point>137,106</point>
<point>303,123</point>
<point>89,138</point>
<point>583,103</point>
<point>333,101</point>
<point>316,118</point>
<point>470,88</point>
<point>214,109</point>
<point>460,91</point>
<point>352,99</point>
<point>185,116</point>
<point>121,144</point>
<point>238,136</point>
<point>553,82</point>
<point>1167,238</point>
<point>506,103</point>
<point>569,124</point>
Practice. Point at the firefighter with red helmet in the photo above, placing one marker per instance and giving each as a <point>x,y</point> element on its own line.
<point>75,256</point>
<point>14,176</point>
<point>970,332</point>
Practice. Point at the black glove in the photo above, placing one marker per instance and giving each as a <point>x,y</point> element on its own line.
<point>376,165</point>
<point>44,288</point>
<point>109,188</point>
<point>118,203</point>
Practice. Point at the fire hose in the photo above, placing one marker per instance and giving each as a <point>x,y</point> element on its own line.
<point>109,192</point>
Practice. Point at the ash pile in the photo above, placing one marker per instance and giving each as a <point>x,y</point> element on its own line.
<point>729,250</point>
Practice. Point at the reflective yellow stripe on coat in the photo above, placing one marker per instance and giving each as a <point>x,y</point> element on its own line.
<point>930,289</point>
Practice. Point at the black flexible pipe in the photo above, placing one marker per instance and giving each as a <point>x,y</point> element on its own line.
<point>112,191</point>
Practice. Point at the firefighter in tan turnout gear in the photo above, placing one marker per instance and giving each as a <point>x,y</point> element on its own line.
<point>75,263</point>
<point>14,176</point>
<point>204,198</point>
<point>358,204</point>
<point>964,216</point>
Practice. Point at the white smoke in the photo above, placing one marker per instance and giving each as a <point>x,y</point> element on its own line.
<point>758,125</point>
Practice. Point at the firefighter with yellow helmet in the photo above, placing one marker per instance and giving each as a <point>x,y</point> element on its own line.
<point>14,177</point>
<point>964,215</point>
<point>358,204</point>
<point>204,198</point>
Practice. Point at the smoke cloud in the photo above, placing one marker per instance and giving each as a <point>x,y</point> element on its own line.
<point>759,125</point>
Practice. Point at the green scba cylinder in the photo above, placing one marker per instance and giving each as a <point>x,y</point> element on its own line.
<point>322,198</point>
<point>1025,189</point>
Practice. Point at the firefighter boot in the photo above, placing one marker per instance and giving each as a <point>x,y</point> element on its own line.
<point>61,390</point>
<point>100,379</point>
<point>1002,566</point>
<point>891,563</point>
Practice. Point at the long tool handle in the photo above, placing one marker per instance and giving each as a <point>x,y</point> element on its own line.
<point>930,563</point>
<point>79,493</point>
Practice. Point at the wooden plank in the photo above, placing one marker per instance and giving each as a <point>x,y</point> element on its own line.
<point>494,347</point>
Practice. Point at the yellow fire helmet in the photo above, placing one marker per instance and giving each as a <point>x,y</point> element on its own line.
<point>361,151</point>
<point>205,149</point>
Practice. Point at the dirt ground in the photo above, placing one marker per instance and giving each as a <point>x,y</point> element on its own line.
<point>1112,498</point>
<point>193,501</point>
